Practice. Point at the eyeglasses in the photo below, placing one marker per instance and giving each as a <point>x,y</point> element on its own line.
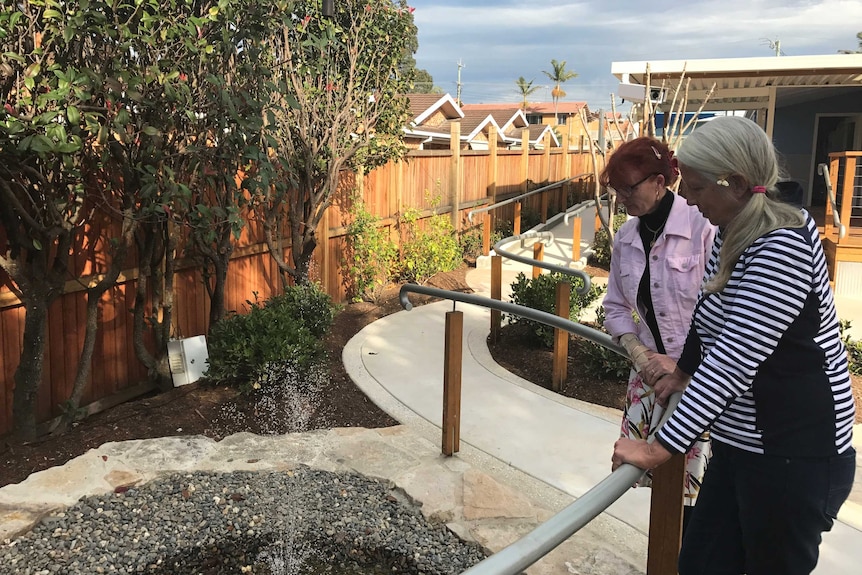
<point>629,190</point>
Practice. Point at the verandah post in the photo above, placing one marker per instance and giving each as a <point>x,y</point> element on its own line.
<point>497,294</point>
<point>665,518</point>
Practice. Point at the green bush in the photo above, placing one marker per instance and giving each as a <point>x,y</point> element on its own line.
<point>854,348</point>
<point>540,294</point>
<point>427,249</point>
<point>599,360</point>
<point>287,328</point>
<point>602,243</point>
<point>371,255</point>
<point>471,242</point>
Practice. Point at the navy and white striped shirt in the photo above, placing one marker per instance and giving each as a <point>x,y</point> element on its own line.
<point>770,375</point>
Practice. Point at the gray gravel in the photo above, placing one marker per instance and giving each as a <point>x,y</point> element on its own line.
<point>300,521</point>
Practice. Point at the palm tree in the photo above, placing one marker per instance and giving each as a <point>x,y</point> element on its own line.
<point>859,51</point>
<point>558,76</point>
<point>527,89</point>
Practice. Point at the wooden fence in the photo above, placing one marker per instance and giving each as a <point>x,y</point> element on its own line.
<point>458,180</point>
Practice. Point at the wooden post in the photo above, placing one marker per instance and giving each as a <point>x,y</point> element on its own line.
<point>546,157</point>
<point>492,173</point>
<point>665,518</point>
<point>452,382</point>
<point>486,233</point>
<point>525,158</point>
<point>576,238</point>
<point>497,294</point>
<point>455,175</point>
<point>516,223</point>
<point>561,338</point>
<point>538,254</point>
<point>834,166</point>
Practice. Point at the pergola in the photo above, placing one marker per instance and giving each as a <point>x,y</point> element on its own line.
<point>760,84</point>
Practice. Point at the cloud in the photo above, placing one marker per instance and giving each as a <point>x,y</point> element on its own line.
<point>497,41</point>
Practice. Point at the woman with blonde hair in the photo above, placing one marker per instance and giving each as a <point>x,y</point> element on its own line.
<point>763,369</point>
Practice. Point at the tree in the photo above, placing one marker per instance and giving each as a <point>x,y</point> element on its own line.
<point>558,76</point>
<point>423,82</point>
<point>858,51</point>
<point>338,102</point>
<point>526,89</point>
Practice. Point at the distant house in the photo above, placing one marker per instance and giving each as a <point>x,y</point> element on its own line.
<point>432,115</point>
<point>540,112</point>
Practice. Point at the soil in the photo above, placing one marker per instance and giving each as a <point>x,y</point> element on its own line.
<point>218,411</point>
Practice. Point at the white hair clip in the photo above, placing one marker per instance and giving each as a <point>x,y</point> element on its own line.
<point>722,182</point>
<point>656,152</point>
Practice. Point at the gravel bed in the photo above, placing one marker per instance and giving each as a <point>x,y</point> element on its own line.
<point>301,521</point>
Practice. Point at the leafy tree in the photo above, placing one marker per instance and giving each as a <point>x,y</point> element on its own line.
<point>858,51</point>
<point>338,102</point>
<point>558,76</point>
<point>49,128</point>
<point>103,108</point>
<point>526,90</point>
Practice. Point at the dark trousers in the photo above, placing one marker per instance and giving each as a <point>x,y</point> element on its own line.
<point>760,514</point>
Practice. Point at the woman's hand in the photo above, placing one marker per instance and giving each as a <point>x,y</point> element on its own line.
<point>657,366</point>
<point>671,383</point>
<point>639,453</point>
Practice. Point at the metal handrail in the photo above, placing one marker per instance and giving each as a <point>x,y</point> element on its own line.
<point>547,536</point>
<point>543,236</point>
<point>544,317</point>
<point>823,169</point>
<point>521,196</point>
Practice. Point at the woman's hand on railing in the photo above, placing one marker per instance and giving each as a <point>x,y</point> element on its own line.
<point>639,453</point>
<point>656,367</point>
<point>673,382</point>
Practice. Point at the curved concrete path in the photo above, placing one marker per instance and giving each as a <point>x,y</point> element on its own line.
<point>398,363</point>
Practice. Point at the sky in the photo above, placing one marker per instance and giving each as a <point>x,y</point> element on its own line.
<point>498,41</point>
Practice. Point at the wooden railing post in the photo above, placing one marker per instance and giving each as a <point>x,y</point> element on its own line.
<point>538,254</point>
<point>576,238</point>
<point>492,176</point>
<point>486,233</point>
<point>497,294</point>
<point>452,382</point>
<point>665,518</point>
<point>516,219</point>
<point>544,205</point>
<point>561,338</point>
<point>455,175</point>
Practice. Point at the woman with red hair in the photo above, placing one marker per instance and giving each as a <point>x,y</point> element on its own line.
<point>656,271</point>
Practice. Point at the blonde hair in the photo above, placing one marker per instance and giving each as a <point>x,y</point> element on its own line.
<point>733,145</point>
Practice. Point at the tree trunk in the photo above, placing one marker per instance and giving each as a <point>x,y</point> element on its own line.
<point>28,375</point>
<point>217,310</point>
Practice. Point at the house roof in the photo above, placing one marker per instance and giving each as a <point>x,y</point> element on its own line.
<point>749,83</point>
<point>423,105</point>
<point>532,107</point>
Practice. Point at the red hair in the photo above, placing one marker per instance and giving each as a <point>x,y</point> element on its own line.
<point>643,155</point>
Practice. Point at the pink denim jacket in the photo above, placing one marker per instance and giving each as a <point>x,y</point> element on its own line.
<point>676,263</point>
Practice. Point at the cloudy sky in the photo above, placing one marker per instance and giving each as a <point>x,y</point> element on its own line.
<point>497,41</point>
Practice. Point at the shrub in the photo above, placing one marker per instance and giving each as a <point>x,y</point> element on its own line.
<point>427,249</point>
<point>854,348</point>
<point>599,360</point>
<point>540,294</point>
<point>287,329</point>
<point>602,243</point>
<point>471,242</point>
<point>371,255</point>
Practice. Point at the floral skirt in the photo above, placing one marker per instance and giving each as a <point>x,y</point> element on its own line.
<point>641,417</point>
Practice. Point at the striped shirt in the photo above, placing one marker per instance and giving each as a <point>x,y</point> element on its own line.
<point>771,375</point>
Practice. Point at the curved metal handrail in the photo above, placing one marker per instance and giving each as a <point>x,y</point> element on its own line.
<point>543,236</point>
<point>544,317</point>
<point>543,539</point>
<point>522,196</point>
<point>823,169</point>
